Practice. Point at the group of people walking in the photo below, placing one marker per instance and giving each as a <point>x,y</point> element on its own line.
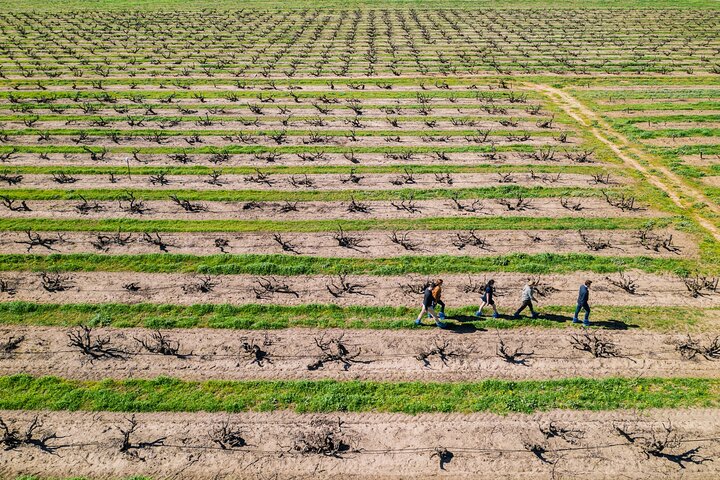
<point>432,298</point>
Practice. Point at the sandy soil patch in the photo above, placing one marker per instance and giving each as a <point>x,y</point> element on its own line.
<point>366,243</point>
<point>361,159</point>
<point>705,161</point>
<point>178,141</point>
<point>366,181</point>
<point>652,126</point>
<point>382,446</point>
<point>681,141</point>
<point>713,181</point>
<point>381,355</point>
<point>459,290</point>
<point>658,113</point>
<point>214,210</point>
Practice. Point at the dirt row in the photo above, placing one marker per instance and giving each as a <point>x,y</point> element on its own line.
<point>292,159</point>
<point>283,445</point>
<point>358,181</point>
<point>119,121</point>
<point>302,141</point>
<point>365,244</point>
<point>215,210</point>
<point>442,356</point>
<point>459,290</point>
<point>657,113</point>
<point>681,141</point>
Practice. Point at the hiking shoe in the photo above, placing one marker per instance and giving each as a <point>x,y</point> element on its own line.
<point>534,315</point>
<point>418,322</point>
<point>516,316</point>
<point>586,323</point>
<point>478,314</point>
<point>575,320</point>
<point>441,315</point>
<point>496,315</point>
<point>440,324</point>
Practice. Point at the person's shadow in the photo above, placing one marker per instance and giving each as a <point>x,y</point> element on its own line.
<point>465,324</point>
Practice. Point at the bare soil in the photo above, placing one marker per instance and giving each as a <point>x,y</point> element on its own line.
<point>705,161</point>
<point>383,355</point>
<point>370,243</point>
<point>108,287</point>
<point>379,445</point>
<point>363,159</point>
<point>681,141</point>
<point>216,210</point>
<point>319,181</point>
<point>178,141</point>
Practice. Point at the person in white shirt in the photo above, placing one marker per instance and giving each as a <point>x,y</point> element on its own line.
<point>527,297</point>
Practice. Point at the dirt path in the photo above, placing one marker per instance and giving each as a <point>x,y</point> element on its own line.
<point>670,183</point>
<point>378,445</point>
<point>381,355</point>
<point>459,290</point>
<point>320,182</point>
<point>368,244</point>
<point>329,210</point>
<point>287,159</point>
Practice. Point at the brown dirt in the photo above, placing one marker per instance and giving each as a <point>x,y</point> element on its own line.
<point>373,244</point>
<point>159,209</point>
<point>713,181</point>
<point>658,113</point>
<point>681,141</point>
<point>107,287</point>
<point>178,141</point>
<point>706,161</point>
<point>364,159</point>
<point>384,446</point>
<point>320,182</point>
<point>384,355</point>
<point>676,125</point>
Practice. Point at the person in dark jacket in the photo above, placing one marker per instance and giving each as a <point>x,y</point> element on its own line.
<point>582,303</point>
<point>488,298</point>
<point>427,306</point>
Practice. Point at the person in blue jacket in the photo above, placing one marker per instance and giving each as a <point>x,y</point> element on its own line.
<point>488,298</point>
<point>582,303</point>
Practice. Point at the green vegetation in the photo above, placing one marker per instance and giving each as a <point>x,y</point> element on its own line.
<point>497,396</point>
<point>457,223</point>
<point>302,196</point>
<point>259,317</point>
<point>64,5</point>
<point>300,265</point>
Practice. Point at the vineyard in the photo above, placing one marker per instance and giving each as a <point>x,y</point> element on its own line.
<point>218,223</point>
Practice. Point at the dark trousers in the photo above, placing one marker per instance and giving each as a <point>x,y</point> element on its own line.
<point>583,306</point>
<point>442,305</point>
<point>525,304</point>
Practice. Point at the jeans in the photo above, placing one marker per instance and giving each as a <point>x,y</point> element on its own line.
<point>582,306</point>
<point>525,304</point>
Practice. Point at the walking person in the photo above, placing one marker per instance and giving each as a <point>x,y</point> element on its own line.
<point>488,298</point>
<point>527,297</point>
<point>427,306</point>
<point>437,298</point>
<point>582,303</point>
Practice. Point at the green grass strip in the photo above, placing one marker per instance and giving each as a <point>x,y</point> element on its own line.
<point>273,317</point>
<point>301,265</point>
<point>24,392</point>
<point>451,223</point>
<point>301,196</point>
<point>315,169</point>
